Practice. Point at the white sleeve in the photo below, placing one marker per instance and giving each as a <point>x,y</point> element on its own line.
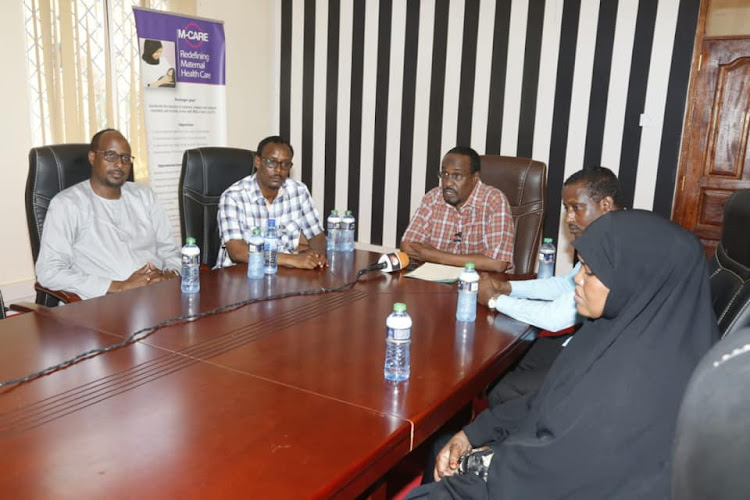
<point>54,266</point>
<point>167,248</point>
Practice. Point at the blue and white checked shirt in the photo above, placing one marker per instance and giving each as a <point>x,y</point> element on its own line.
<point>242,208</point>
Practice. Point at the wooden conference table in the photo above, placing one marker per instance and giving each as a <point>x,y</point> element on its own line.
<point>276,399</point>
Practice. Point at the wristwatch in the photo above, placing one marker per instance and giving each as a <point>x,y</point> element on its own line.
<point>493,300</point>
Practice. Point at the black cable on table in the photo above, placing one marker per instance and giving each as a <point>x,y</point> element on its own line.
<point>145,332</point>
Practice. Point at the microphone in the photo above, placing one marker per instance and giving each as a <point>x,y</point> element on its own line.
<point>389,262</point>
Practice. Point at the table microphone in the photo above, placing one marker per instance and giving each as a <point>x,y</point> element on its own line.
<point>389,262</point>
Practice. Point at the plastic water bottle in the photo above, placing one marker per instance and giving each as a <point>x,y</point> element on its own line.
<point>546,259</point>
<point>191,261</point>
<point>270,247</point>
<point>347,232</point>
<point>468,289</point>
<point>255,257</point>
<point>397,344</point>
<point>334,229</point>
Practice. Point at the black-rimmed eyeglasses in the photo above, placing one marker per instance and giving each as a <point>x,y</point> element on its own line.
<point>111,156</point>
<point>271,163</point>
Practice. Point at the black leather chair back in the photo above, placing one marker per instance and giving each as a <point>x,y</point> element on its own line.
<point>2,306</point>
<point>730,266</point>
<point>712,444</point>
<point>524,183</point>
<point>206,174</point>
<point>52,169</point>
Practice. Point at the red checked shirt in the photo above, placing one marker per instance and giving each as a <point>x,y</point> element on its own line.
<point>483,225</point>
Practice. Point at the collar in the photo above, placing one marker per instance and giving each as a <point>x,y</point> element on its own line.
<point>256,194</point>
<point>473,200</point>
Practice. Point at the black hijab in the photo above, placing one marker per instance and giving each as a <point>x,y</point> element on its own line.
<point>149,49</point>
<point>602,424</point>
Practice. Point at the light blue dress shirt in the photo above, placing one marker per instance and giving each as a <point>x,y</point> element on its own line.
<point>546,303</point>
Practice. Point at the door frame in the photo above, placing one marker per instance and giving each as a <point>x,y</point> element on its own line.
<point>687,127</point>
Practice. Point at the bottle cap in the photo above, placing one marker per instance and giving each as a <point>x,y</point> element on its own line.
<point>547,240</point>
<point>190,240</point>
<point>334,212</point>
<point>469,265</point>
<point>348,212</point>
<point>271,222</point>
<point>256,230</point>
<point>399,307</point>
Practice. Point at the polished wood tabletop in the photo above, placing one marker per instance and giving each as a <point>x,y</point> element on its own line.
<point>280,398</point>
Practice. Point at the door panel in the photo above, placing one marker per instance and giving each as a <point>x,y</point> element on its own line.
<point>716,162</point>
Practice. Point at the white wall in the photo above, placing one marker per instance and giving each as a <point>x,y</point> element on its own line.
<point>16,268</point>
<point>728,17</point>
<point>251,101</point>
<point>252,73</point>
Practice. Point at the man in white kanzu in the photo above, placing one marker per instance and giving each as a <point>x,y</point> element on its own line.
<point>106,235</point>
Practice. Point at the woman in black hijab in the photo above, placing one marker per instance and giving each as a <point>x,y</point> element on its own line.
<point>155,69</point>
<point>602,424</point>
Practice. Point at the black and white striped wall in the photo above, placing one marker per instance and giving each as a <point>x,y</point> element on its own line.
<point>373,92</point>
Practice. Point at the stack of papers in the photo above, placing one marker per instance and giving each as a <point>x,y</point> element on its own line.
<point>436,272</point>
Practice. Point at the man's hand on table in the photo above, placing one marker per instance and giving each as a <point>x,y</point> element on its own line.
<point>147,275</point>
<point>308,259</point>
<point>420,252</point>
<point>490,285</point>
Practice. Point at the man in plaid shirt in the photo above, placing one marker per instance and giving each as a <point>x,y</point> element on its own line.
<point>270,194</point>
<point>462,220</point>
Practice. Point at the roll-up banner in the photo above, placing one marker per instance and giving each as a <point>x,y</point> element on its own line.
<point>184,95</point>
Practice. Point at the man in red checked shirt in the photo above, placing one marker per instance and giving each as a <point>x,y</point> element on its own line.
<point>462,220</point>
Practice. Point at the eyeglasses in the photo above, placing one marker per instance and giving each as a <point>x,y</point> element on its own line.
<point>111,156</point>
<point>271,163</point>
<point>444,176</point>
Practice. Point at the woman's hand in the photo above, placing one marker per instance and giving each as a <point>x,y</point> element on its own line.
<point>447,460</point>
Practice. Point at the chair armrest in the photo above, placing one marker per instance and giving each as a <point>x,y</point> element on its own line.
<point>66,297</point>
<point>521,277</point>
<point>24,307</point>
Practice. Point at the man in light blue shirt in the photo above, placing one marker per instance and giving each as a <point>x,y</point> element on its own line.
<point>548,303</point>
<point>545,303</point>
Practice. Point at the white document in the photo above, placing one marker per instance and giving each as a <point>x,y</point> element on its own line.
<point>436,272</point>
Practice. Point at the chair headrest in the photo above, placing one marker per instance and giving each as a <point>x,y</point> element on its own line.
<point>735,236</point>
<point>520,179</point>
<point>712,444</point>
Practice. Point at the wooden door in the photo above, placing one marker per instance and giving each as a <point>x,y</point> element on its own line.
<point>715,162</point>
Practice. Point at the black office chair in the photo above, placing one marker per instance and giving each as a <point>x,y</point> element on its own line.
<point>52,169</point>
<point>730,266</point>
<point>712,442</point>
<point>206,174</point>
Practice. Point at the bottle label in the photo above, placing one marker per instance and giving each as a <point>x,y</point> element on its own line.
<point>256,248</point>
<point>334,225</point>
<point>546,257</point>
<point>468,286</point>
<point>399,333</point>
